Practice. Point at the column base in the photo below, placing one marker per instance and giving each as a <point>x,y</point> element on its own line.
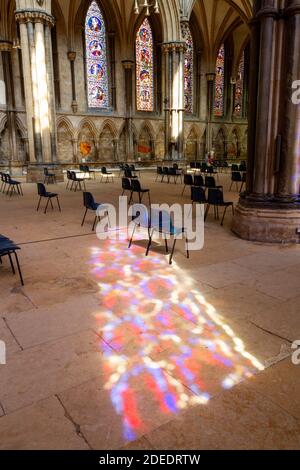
<point>269,223</point>
<point>16,168</point>
<point>35,173</point>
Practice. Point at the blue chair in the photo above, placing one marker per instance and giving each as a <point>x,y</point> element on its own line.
<point>136,188</point>
<point>216,199</point>
<point>77,181</point>
<point>236,178</point>
<point>90,205</point>
<point>46,195</point>
<point>188,181</point>
<point>162,223</point>
<point>49,177</point>
<point>107,175</point>
<point>9,248</point>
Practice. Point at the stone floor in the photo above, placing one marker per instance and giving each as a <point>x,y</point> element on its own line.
<point>107,349</point>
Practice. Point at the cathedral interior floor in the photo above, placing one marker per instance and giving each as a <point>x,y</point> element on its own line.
<point>108,349</point>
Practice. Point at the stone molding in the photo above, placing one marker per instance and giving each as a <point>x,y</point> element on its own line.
<point>34,16</point>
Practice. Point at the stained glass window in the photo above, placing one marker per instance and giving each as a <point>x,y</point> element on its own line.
<point>145,68</point>
<point>96,58</point>
<point>188,67</point>
<point>220,83</point>
<point>239,88</point>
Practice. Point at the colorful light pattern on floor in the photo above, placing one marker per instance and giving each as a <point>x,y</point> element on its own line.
<point>160,333</point>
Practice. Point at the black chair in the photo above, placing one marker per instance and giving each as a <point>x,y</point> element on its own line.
<point>107,175</point>
<point>166,174</point>
<point>136,188</point>
<point>126,186</point>
<point>234,167</point>
<point>13,186</point>
<point>70,182</point>
<point>134,170</point>
<point>210,183</point>
<point>216,199</point>
<point>159,173</point>
<point>77,182</point>
<point>243,168</point>
<point>236,178</point>
<point>198,195</point>
<point>49,196</point>
<point>9,248</point>
<point>90,205</point>
<point>50,178</point>
<point>244,181</point>
<point>175,174</point>
<point>128,174</point>
<point>198,180</point>
<point>3,181</point>
<point>187,181</point>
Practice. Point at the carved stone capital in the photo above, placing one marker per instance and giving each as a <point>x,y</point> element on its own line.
<point>177,46</point>
<point>5,46</point>
<point>34,16</point>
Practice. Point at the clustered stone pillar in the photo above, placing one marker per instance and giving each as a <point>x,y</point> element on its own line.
<point>35,34</point>
<point>5,51</point>
<point>269,210</point>
<point>174,99</point>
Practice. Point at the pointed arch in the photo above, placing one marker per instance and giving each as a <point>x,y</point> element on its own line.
<point>110,125</point>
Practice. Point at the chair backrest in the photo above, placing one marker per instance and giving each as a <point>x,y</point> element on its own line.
<point>165,170</point>
<point>41,189</point>
<point>236,177</point>
<point>215,197</point>
<point>198,180</point>
<point>175,166</point>
<point>198,194</point>
<point>172,172</point>
<point>162,221</point>
<point>159,170</point>
<point>88,200</point>
<point>244,177</point>
<point>104,170</point>
<point>235,167</point>
<point>136,186</point>
<point>73,176</point>
<point>46,171</point>
<point>126,185</point>
<point>132,167</point>
<point>128,173</point>
<point>188,180</point>
<point>243,167</point>
<point>193,165</point>
<point>210,182</point>
<point>8,178</point>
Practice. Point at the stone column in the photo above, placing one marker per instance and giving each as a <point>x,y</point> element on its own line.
<point>174,99</point>
<point>72,58</point>
<point>128,71</point>
<point>210,78</point>
<point>289,168</point>
<point>269,211</point>
<point>5,50</point>
<point>35,23</point>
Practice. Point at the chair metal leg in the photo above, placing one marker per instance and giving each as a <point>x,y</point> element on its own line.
<point>187,246</point>
<point>45,212</point>
<point>38,207</point>
<point>167,246</point>
<point>183,191</point>
<point>222,222</point>
<point>51,204</point>
<point>131,240</point>
<point>84,217</point>
<point>19,269</point>
<point>58,204</point>
<point>207,212</point>
<point>11,263</point>
<point>173,249</point>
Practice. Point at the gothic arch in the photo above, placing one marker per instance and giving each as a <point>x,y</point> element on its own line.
<point>109,124</point>
<point>64,120</point>
<point>65,150</point>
